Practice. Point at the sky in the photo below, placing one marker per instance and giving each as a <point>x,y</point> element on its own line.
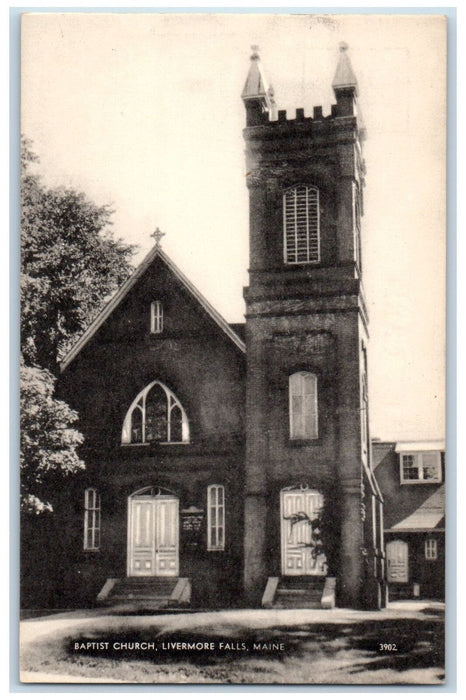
<point>143,112</point>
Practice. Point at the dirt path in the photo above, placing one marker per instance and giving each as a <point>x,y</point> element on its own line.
<point>321,646</point>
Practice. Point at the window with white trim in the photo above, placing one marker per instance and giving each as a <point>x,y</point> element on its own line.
<point>156,317</point>
<point>431,549</point>
<point>303,406</point>
<point>420,467</point>
<point>91,519</point>
<point>301,225</point>
<point>155,415</point>
<point>215,517</point>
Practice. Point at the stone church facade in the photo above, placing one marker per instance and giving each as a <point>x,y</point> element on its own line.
<point>230,464</point>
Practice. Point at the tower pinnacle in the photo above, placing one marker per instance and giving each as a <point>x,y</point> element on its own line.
<point>257,94</point>
<point>344,75</point>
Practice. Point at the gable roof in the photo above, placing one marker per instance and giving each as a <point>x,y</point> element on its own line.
<point>428,516</point>
<point>115,301</point>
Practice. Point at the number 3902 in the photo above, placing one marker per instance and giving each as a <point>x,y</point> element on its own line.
<point>387,647</point>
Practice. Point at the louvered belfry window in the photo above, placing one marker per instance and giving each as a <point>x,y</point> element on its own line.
<point>301,225</point>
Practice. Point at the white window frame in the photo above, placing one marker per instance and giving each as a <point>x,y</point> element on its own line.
<point>156,317</point>
<point>301,225</point>
<point>215,518</point>
<point>417,462</point>
<point>92,516</point>
<point>431,549</point>
<point>312,409</point>
<point>140,404</point>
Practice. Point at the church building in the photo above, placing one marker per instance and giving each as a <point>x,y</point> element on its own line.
<point>230,464</point>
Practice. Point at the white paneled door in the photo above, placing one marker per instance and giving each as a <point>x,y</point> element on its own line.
<point>299,508</point>
<point>153,538</point>
<point>397,561</point>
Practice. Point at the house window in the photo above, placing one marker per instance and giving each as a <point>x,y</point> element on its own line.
<point>156,317</point>
<point>215,517</point>
<point>91,519</point>
<point>303,406</point>
<point>155,415</point>
<point>420,467</point>
<point>431,549</point>
<point>301,225</point>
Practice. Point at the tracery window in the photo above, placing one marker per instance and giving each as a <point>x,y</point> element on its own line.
<point>301,225</point>
<point>155,415</point>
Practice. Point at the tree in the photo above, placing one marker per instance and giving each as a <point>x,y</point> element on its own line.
<point>70,264</point>
<point>49,440</point>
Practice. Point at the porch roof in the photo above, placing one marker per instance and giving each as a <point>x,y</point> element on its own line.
<point>429,516</point>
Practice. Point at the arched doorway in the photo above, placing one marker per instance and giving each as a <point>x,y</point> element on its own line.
<point>153,533</point>
<point>300,507</point>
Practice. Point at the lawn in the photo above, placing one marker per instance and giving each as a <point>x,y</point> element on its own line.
<point>260,647</point>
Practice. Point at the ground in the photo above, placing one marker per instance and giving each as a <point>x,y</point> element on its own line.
<point>238,647</point>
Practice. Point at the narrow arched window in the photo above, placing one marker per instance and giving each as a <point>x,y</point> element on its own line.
<point>156,317</point>
<point>91,519</point>
<point>301,225</point>
<point>303,406</point>
<point>215,517</point>
<point>155,415</point>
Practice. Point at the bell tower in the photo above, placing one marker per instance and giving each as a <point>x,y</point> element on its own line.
<point>306,337</point>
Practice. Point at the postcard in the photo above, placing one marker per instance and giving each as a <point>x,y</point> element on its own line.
<point>232,348</point>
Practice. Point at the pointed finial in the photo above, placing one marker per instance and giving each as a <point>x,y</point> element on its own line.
<point>344,76</point>
<point>157,236</point>
<point>255,52</point>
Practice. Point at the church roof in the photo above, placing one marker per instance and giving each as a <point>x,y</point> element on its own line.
<point>115,301</point>
<point>430,515</point>
<point>344,75</point>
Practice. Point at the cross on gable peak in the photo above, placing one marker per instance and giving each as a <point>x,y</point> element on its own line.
<point>157,236</point>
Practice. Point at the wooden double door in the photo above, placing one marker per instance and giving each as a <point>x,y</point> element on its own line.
<point>153,535</point>
<point>299,509</point>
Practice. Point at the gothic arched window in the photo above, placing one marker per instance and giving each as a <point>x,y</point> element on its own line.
<point>155,415</point>
<point>301,225</point>
<point>303,406</point>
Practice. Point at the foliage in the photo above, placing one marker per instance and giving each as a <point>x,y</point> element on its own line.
<point>48,440</point>
<point>70,264</point>
<point>326,528</point>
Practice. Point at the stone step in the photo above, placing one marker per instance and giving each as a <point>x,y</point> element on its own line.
<point>152,591</point>
<point>296,604</point>
<point>299,591</point>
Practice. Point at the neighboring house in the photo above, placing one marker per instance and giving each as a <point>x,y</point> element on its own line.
<point>230,464</point>
<point>411,476</point>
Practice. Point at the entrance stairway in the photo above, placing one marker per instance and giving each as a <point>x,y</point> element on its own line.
<point>146,593</point>
<point>299,592</point>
